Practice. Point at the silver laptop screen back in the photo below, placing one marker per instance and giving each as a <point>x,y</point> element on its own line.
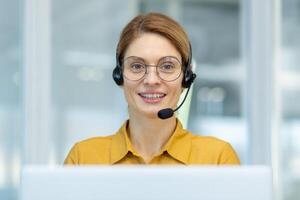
<point>146,183</point>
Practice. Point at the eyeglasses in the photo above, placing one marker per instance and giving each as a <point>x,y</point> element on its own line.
<point>168,68</point>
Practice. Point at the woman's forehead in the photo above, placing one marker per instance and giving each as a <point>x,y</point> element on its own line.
<point>151,47</point>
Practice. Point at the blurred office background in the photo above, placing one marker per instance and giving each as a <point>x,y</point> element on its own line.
<point>56,88</point>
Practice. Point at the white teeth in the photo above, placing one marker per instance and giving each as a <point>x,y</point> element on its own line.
<point>152,96</point>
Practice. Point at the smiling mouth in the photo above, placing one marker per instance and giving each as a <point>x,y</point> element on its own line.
<point>152,97</point>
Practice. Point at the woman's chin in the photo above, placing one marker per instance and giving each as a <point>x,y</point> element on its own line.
<point>149,113</point>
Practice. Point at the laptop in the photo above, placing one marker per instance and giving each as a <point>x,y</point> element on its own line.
<point>146,183</point>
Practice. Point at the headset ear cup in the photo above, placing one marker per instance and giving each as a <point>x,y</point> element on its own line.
<point>186,82</point>
<point>117,75</point>
<point>189,78</point>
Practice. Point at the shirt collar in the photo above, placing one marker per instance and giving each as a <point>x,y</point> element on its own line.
<point>178,146</point>
<point>120,144</point>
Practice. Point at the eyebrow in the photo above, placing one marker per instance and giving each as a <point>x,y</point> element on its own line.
<point>135,57</point>
<point>142,59</point>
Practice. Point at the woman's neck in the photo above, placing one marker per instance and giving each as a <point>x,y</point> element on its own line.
<point>149,135</point>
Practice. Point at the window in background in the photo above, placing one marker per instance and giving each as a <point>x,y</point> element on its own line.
<point>290,83</point>
<point>10,97</point>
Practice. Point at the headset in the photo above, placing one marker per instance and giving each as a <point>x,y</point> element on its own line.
<point>189,75</point>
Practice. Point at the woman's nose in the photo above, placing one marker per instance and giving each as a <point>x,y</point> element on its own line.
<point>151,76</point>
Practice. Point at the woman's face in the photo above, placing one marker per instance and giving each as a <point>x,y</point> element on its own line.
<point>150,94</point>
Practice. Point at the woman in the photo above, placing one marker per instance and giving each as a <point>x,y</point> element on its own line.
<point>153,68</point>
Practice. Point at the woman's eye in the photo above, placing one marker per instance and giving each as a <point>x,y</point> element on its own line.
<point>137,67</point>
<point>167,66</point>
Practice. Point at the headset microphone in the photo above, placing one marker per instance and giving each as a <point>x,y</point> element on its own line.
<point>168,112</point>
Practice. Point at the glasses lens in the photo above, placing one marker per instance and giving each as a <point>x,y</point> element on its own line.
<point>169,68</point>
<point>134,69</point>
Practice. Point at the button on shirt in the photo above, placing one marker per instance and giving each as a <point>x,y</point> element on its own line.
<point>183,147</point>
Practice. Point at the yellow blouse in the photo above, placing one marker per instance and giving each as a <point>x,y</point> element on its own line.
<point>182,148</point>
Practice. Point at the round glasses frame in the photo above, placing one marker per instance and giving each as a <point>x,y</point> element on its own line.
<point>158,72</point>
